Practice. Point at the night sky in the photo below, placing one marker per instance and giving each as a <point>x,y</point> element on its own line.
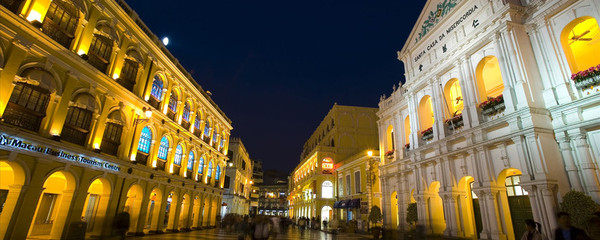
<point>276,67</point>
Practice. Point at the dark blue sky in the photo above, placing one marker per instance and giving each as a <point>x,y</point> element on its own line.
<point>276,67</point>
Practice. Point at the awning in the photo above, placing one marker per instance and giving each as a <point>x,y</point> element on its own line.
<point>336,204</point>
<point>344,203</point>
<point>354,203</point>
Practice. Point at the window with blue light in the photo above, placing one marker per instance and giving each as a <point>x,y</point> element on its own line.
<point>222,143</point>
<point>190,165</point>
<point>173,101</point>
<point>178,154</point>
<point>207,128</point>
<point>201,165</point>
<point>215,136</point>
<point>209,171</point>
<point>163,149</point>
<point>218,173</point>
<point>197,122</point>
<point>186,112</point>
<point>145,140</point>
<point>157,88</point>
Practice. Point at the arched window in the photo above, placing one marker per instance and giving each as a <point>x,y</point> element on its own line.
<point>197,130</point>
<point>112,134</point>
<point>209,170</point>
<point>60,22</point>
<point>453,95</point>
<point>218,172</point>
<point>185,116</point>
<point>390,138</point>
<point>178,155</point>
<point>426,113</point>
<point>145,140</point>
<point>163,149</point>
<point>201,165</point>
<point>129,71</point>
<point>172,105</point>
<point>28,101</point>
<point>407,131</point>
<point>214,138</point>
<point>190,165</point>
<point>79,119</point>
<point>101,48</point>
<point>489,78</point>
<point>581,43</point>
<point>156,92</point>
<point>327,189</point>
<point>222,143</point>
<point>207,129</point>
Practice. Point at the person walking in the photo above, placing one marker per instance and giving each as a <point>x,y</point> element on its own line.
<point>567,232</point>
<point>121,224</point>
<point>533,231</point>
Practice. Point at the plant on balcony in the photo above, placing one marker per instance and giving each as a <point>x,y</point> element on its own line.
<point>492,105</point>
<point>389,153</point>
<point>407,146</point>
<point>455,122</point>
<point>427,134</point>
<point>587,78</point>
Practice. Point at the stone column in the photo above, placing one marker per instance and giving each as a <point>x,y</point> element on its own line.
<point>588,168</point>
<point>567,155</point>
<point>465,80</point>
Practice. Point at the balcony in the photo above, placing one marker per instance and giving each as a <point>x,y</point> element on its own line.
<point>176,169</point>
<point>189,174</point>
<point>197,133</point>
<point>57,33</point>
<point>74,134</point>
<point>22,117</point>
<point>109,147</point>
<point>141,158</point>
<point>97,61</point>
<point>185,125</point>
<point>155,103</point>
<point>161,164</point>
<point>126,83</point>
<point>171,114</point>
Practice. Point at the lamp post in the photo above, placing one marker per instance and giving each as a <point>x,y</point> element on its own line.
<point>148,114</point>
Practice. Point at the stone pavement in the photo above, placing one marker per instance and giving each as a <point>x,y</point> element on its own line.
<point>291,234</point>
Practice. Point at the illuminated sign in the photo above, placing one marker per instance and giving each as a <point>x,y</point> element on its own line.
<point>327,166</point>
<point>23,145</point>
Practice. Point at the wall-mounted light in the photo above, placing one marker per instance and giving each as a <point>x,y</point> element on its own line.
<point>370,153</point>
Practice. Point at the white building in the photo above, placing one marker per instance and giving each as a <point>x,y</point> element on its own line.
<point>480,171</point>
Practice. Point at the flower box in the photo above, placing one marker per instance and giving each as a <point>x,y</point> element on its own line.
<point>455,122</point>
<point>492,106</point>
<point>407,146</point>
<point>427,134</point>
<point>587,78</point>
<point>389,154</point>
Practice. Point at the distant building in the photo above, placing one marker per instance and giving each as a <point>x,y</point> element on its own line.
<point>238,179</point>
<point>257,172</point>
<point>257,178</point>
<point>345,131</point>
<point>273,194</point>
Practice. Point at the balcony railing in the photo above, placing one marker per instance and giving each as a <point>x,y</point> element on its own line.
<point>74,135</point>
<point>22,117</point>
<point>57,33</point>
<point>97,61</point>
<point>109,147</point>
<point>171,114</point>
<point>154,102</point>
<point>185,125</point>
<point>161,164</point>
<point>126,83</point>
<point>141,158</point>
<point>189,174</point>
<point>176,169</point>
<point>197,133</point>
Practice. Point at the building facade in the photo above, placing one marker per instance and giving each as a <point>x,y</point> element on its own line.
<point>489,129</point>
<point>97,118</point>
<point>272,199</point>
<point>358,188</point>
<point>345,131</point>
<point>238,179</point>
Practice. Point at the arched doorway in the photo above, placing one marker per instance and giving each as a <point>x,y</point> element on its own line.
<point>133,206</point>
<point>518,202</point>
<point>489,78</point>
<point>184,212</point>
<point>394,209</point>
<point>53,207</point>
<point>580,40</point>
<point>426,113</point>
<point>469,210</point>
<point>12,178</point>
<point>407,132</point>
<point>390,141</point>
<point>326,213</point>
<point>153,211</point>
<point>436,209</point>
<point>196,212</point>
<point>213,211</point>
<point>206,212</point>
<point>170,211</point>
<point>453,96</point>
<point>96,204</point>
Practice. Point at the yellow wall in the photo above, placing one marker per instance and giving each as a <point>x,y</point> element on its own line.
<point>582,53</point>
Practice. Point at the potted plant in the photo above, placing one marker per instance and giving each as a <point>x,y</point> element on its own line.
<point>455,122</point>
<point>587,78</point>
<point>492,105</point>
<point>390,153</point>
<point>407,146</point>
<point>374,218</point>
<point>427,134</point>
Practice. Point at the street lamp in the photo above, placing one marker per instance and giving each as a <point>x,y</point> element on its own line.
<point>148,114</point>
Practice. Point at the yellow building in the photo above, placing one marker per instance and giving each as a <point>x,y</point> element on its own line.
<point>238,179</point>
<point>345,131</point>
<point>358,187</point>
<point>97,117</point>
